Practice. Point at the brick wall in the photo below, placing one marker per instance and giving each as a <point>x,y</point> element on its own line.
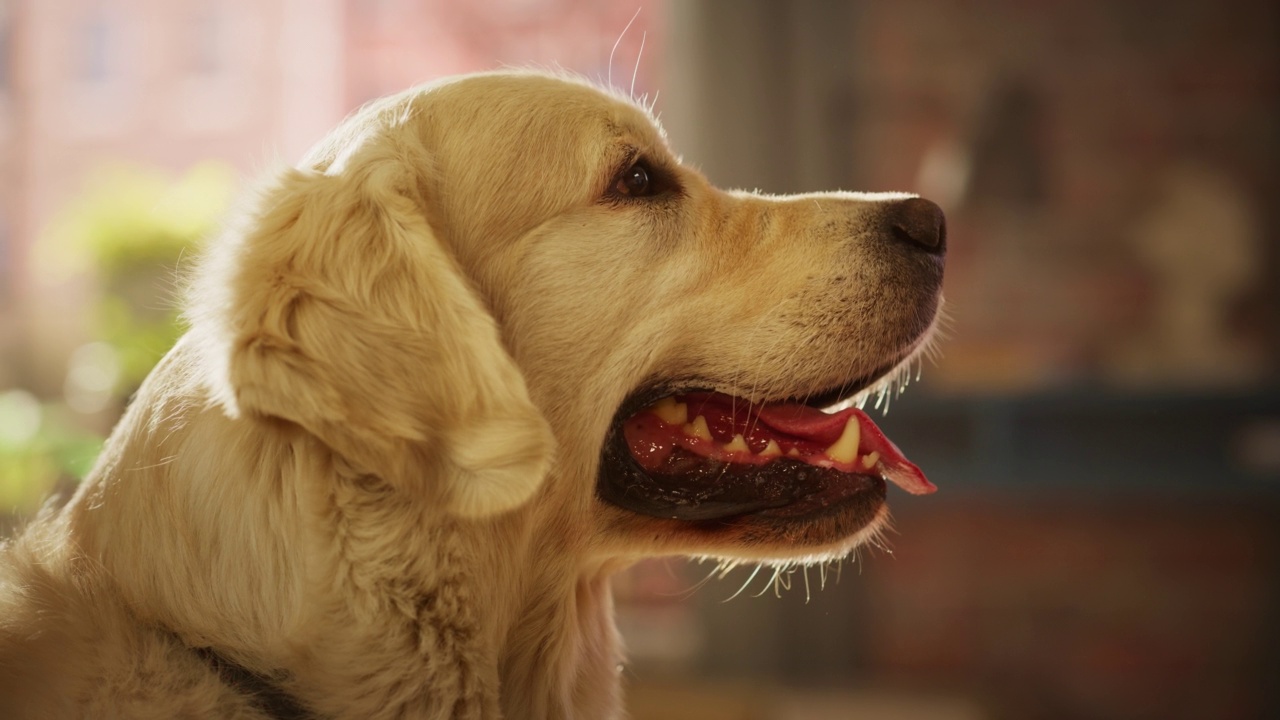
<point>1066,607</point>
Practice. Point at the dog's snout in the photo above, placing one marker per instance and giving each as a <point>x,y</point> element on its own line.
<point>918,222</point>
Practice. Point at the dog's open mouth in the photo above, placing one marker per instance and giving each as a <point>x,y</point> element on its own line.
<point>709,456</point>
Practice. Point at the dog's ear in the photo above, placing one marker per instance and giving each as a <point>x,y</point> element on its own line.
<point>340,311</point>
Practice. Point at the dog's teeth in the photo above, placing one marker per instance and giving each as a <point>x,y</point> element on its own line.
<point>671,412</point>
<point>870,459</point>
<point>845,450</point>
<point>772,449</point>
<point>698,428</point>
<point>737,444</point>
<point>793,452</point>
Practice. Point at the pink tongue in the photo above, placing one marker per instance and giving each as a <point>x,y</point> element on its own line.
<point>820,428</point>
<point>804,421</point>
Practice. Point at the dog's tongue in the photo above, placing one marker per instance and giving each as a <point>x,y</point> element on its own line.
<point>805,422</point>
<point>809,430</point>
<point>810,423</point>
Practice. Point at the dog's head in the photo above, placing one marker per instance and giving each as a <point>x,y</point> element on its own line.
<point>465,276</point>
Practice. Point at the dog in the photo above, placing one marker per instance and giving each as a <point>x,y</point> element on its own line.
<point>489,344</point>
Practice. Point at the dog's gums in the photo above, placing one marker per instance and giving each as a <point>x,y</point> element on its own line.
<point>731,430</point>
<point>702,456</point>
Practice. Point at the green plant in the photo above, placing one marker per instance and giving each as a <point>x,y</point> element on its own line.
<point>128,233</point>
<point>131,229</point>
<point>38,445</point>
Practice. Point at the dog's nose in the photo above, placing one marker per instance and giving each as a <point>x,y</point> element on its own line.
<point>918,222</point>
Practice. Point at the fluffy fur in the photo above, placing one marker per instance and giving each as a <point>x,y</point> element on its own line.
<point>368,469</point>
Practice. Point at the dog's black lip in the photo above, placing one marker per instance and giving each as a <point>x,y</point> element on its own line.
<point>785,490</point>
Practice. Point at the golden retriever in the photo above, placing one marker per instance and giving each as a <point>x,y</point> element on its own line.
<point>489,344</point>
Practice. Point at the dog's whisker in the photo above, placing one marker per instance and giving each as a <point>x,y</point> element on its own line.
<point>689,592</point>
<point>750,577</point>
<point>783,582</point>
<point>639,54</point>
<point>771,581</point>
<point>616,43</point>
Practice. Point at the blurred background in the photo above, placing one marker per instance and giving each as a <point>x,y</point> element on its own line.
<point>1104,423</point>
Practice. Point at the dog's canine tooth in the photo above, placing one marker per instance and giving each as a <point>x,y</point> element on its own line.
<point>845,450</point>
<point>671,412</point>
<point>698,429</point>
<point>771,450</point>
<point>870,459</point>
<point>738,444</point>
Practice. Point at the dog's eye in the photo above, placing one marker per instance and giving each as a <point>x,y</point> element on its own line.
<point>641,180</point>
<point>635,181</point>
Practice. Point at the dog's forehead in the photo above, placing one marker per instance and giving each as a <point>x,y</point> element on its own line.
<point>516,114</point>
<point>558,110</point>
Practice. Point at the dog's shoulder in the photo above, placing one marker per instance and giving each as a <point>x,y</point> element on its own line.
<point>72,644</point>
<point>70,648</point>
<point>40,664</point>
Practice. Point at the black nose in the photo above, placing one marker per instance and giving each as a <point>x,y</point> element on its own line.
<point>918,222</point>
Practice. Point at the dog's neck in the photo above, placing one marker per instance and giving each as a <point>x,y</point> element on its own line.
<point>561,656</point>
<point>508,611</point>
<point>507,616</point>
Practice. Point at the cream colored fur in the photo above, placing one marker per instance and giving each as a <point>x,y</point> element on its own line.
<point>368,469</point>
